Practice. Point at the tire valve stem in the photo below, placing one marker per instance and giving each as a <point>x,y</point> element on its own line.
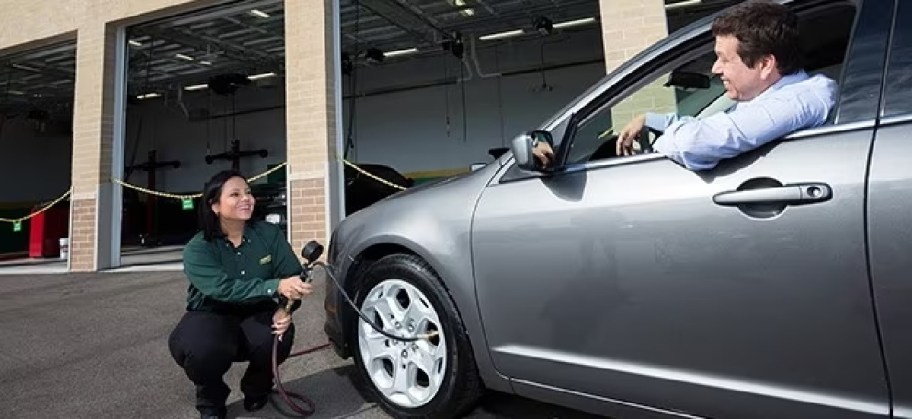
<point>428,336</point>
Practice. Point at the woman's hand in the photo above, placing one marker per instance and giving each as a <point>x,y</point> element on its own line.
<point>281,320</point>
<point>294,288</point>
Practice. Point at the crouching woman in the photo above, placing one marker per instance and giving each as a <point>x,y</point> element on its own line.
<point>240,272</point>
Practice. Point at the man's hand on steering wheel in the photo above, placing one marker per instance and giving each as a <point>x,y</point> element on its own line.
<point>629,134</point>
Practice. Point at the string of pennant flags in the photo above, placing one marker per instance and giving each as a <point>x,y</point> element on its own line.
<point>187,199</point>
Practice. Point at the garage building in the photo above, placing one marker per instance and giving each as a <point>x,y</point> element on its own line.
<point>114,113</point>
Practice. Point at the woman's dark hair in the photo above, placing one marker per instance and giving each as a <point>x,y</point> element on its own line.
<point>212,191</point>
<point>762,28</point>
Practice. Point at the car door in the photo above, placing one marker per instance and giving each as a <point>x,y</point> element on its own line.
<point>890,214</point>
<point>638,282</point>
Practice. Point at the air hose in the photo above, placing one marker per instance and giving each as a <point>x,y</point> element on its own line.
<point>307,276</point>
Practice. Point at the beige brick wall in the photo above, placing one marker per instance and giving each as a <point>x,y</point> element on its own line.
<point>93,23</point>
<point>310,116</point>
<point>628,27</point>
<point>56,17</point>
<point>308,212</point>
<point>92,138</point>
<point>93,110</point>
<point>82,243</point>
<point>653,97</point>
<point>310,99</point>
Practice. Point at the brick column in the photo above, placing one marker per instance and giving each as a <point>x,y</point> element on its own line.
<point>310,117</point>
<point>92,145</point>
<point>628,27</point>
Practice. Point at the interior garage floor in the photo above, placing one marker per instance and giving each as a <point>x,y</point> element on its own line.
<point>165,258</point>
<point>95,345</point>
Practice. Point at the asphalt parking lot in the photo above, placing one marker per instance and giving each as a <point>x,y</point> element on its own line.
<point>95,345</point>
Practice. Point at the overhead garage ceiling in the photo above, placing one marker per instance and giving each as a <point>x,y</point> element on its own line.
<point>247,37</point>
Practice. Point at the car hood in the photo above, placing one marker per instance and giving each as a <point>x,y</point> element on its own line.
<point>443,183</point>
<point>438,196</point>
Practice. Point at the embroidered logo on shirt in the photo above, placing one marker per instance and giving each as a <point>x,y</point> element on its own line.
<point>266,259</point>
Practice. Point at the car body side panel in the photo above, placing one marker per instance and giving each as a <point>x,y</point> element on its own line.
<point>890,213</point>
<point>627,282</point>
<point>890,236</point>
<point>598,405</point>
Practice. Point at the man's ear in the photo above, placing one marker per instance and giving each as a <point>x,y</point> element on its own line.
<point>768,67</point>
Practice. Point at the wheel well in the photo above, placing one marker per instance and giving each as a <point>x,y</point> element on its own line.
<point>368,257</point>
<point>363,261</point>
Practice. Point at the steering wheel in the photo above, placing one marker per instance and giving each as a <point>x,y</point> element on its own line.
<point>608,148</point>
<point>644,140</point>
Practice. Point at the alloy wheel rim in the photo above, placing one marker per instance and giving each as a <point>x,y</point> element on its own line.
<point>408,374</point>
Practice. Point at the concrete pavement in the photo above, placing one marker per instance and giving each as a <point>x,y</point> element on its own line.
<point>95,345</point>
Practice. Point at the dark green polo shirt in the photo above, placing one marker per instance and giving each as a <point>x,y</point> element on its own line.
<point>229,279</point>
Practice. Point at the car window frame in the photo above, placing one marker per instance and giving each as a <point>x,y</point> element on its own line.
<point>665,66</point>
<point>859,99</point>
<point>620,83</point>
<point>902,15</point>
<point>664,60</point>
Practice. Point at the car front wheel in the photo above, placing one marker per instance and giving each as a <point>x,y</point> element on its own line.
<point>432,377</point>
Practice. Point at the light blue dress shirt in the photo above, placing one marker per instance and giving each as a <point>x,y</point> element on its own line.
<point>795,102</point>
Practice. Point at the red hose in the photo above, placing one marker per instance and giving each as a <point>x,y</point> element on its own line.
<point>288,395</point>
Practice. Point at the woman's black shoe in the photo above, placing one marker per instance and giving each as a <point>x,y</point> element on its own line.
<point>256,403</point>
<point>213,414</point>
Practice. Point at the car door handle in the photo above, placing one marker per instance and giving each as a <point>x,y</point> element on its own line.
<point>801,193</point>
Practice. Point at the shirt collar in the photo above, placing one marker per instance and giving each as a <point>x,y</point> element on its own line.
<point>245,238</point>
<point>786,80</point>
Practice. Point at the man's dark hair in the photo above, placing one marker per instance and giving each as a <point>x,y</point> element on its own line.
<point>762,28</point>
<point>212,191</point>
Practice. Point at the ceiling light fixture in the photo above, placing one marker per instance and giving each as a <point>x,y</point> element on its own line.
<point>148,96</point>
<point>206,62</point>
<point>501,35</point>
<point>184,57</point>
<point>196,87</point>
<point>15,92</point>
<point>577,22</point>
<point>261,76</point>
<point>135,43</point>
<point>399,52</point>
<point>467,12</point>
<point>681,4</point>
<point>459,3</point>
<point>259,13</point>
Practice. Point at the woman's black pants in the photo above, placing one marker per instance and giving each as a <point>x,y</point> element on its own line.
<point>205,344</point>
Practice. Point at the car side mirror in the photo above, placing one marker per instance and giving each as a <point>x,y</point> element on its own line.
<point>522,149</point>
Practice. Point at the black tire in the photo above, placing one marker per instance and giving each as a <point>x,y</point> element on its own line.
<point>461,386</point>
